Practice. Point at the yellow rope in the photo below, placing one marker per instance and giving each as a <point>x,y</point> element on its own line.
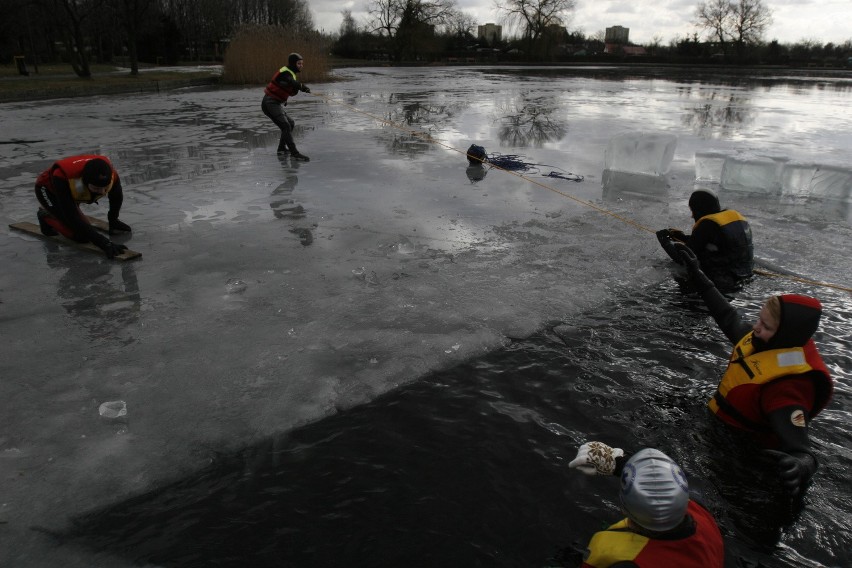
<point>602,210</point>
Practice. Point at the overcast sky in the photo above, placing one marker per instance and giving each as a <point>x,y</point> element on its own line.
<point>793,20</point>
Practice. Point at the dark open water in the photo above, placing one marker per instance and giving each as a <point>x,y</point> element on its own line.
<point>469,466</point>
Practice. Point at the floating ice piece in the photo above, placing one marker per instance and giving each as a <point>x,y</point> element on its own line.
<point>617,185</point>
<point>235,286</point>
<point>752,174</point>
<point>113,409</point>
<point>708,166</point>
<point>640,152</point>
<point>404,246</point>
<point>816,180</point>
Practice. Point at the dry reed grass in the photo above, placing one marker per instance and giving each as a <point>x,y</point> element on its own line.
<point>257,52</point>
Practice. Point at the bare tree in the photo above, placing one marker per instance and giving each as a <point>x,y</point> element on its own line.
<point>131,13</point>
<point>749,21</point>
<point>715,17</point>
<point>77,11</point>
<point>534,17</point>
<point>348,26</point>
<point>460,23</point>
<point>741,22</point>
<point>408,24</point>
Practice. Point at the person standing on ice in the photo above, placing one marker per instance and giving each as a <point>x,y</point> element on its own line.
<point>721,238</point>
<point>663,526</point>
<point>284,85</point>
<point>80,179</point>
<point>776,382</point>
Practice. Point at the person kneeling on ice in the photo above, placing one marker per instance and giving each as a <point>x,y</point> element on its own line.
<point>74,180</point>
<point>721,238</point>
<point>776,382</point>
<point>664,527</point>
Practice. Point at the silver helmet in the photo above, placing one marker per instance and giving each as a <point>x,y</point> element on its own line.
<point>654,491</point>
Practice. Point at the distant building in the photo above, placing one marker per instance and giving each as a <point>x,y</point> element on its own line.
<point>617,34</point>
<point>491,33</point>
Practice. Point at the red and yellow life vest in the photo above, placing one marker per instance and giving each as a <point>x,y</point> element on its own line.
<point>703,549</point>
<point>71,170</point>
<point>721,218</point>
<point>273,89</point>
<point>737,397</point>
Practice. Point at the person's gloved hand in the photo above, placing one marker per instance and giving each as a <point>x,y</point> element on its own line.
<point>112,249</point>
<point>696,275</point>
<point>596,458</point>
<point>677,235</point>
<point>305,88</point>
<point>794,470</point>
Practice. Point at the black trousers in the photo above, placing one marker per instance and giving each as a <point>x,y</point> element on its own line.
<point>274,109</point>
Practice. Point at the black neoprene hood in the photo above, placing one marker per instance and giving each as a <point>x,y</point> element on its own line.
<point>799,321</point>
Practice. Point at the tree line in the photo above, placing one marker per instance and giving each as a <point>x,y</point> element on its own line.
<point>152,31</point>
<point>167,32</point>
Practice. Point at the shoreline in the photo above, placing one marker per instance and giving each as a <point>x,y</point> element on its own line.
<point>16,88</point>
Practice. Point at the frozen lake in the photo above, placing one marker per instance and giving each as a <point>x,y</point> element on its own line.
<point>273,293</point>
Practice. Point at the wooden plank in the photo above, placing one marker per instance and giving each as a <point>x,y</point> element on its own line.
<point>98,224</point>
<point>33,229</point>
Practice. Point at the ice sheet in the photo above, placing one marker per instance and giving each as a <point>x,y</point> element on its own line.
<point>236,324</point>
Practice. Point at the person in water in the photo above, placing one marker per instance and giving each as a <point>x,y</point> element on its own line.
<point>66,184</point>
<point>721,239</point>
<point>281,87</point>
<point>663,525</point>
<point>776,382</point>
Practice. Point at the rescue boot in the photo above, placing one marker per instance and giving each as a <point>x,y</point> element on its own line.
<point>116,226</point>
<point>46,229</point>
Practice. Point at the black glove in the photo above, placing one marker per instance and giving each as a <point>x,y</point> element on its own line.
<point>678,235</point>
<point>698,279</point>
<point>668,244</point>
<point>305,88</point>
<point>794,470</point>
<point>112,249</point>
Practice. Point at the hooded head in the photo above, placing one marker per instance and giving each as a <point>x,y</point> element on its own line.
<point>798,320</point>
<point>97,173</point>
<point>703,202</point>
<point>654,491</point>
<point>292,59</point>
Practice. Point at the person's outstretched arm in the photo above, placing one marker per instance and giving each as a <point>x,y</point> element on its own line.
<point>726,316</point>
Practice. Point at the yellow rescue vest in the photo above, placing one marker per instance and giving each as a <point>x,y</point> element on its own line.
<point>748,369</point>
<point>721,218</point>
